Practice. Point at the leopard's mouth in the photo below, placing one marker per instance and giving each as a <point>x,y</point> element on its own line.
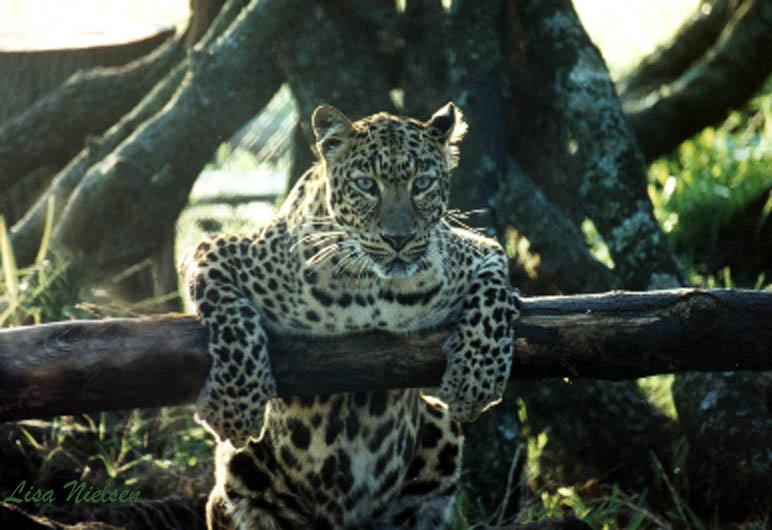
<point>398,266</point>
<point>389,264</point>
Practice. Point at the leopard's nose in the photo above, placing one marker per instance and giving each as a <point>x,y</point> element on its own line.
<point>397,241</point>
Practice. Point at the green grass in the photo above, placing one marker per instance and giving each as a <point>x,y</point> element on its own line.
<point>701,192</point>
<point>159,452</point>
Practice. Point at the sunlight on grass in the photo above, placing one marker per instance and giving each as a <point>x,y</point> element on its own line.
<point>656,388</point>
<point>598,247</point>
<point>702,194</point>
<point>10,275</point>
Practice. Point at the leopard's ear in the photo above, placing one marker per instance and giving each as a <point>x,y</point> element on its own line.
<point>332,129</point>
<point>447,124</point>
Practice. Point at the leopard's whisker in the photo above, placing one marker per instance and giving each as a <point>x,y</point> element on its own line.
<point>320,242</point>
<point>343,264</point>
<point>355,266</point>
<point>316,238</point>
<point>323,255</point>
<point>364,267</point>
<point>455,212</point>
<point>321,232</point>
<point>455,218</point>
<point>319,236</point>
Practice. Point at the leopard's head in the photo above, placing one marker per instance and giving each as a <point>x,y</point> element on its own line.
<point>387,181</point>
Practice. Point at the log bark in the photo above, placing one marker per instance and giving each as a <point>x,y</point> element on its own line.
<point>84,366</point>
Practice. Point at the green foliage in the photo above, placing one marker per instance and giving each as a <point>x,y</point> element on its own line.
<point>702,192</point>
<point>158,452</point>
<point>38,293</point>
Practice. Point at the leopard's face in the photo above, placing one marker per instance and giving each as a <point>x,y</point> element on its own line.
<point>387,182</point>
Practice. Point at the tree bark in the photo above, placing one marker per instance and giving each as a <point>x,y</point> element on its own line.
<point>592,143</point>
<point>140,188</point>
<point>690,42</point>
<point>725,78</point>
<point>26,234</point>
<point>54,129</point>
<point>330,58</point>
<point>564,260</point>
<point>84,366</point>
<point>720,440</point>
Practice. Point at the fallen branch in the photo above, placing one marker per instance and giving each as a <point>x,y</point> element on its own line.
<point>84,366</point>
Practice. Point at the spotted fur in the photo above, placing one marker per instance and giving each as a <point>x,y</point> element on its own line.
<point>362,242</point>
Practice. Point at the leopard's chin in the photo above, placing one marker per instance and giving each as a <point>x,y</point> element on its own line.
<point>395,268</point>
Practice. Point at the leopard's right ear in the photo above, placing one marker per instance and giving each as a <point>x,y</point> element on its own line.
<point>332,129</point>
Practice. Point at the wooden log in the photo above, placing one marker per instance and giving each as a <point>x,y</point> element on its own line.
<point>85,366</point>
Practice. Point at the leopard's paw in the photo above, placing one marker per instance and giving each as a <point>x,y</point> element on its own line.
<point>235,414</point>
<point>479,361</point>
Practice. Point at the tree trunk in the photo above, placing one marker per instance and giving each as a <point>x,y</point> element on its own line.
<point>691,41</point>
<point>27,233</point>
<point>727,418</point>
<point>330,59</point>
<point>592,144</point>
<point>562,125</point>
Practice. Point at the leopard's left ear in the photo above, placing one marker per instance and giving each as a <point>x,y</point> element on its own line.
<point>448,124</point>
<point>332,130</point>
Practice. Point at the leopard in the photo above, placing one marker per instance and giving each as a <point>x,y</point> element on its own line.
<point>363,241</point>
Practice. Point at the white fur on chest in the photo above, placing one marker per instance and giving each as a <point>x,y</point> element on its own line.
<point>333,305</point>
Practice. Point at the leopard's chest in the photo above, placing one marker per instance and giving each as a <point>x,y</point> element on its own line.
<point>321,305</point>
<point>343,311</point>
<point>352,448</point>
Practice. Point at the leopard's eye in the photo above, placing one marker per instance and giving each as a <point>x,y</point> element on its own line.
<point>367,185</point>
<point>422,184</point>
